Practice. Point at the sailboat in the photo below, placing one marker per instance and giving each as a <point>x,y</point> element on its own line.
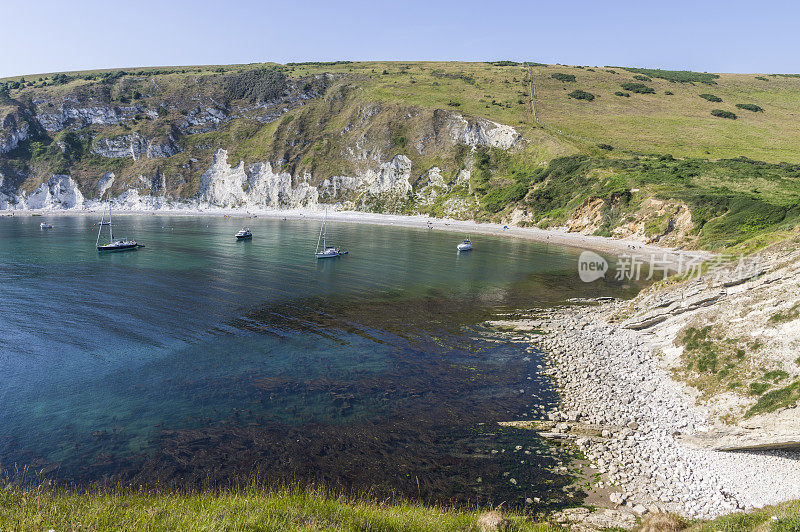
<point>328,252</point>
<point>113,245</point>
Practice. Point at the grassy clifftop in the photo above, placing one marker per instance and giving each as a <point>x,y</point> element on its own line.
<point>43,509</point>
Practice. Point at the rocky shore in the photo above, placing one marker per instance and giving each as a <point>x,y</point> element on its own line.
<point>613,379</point>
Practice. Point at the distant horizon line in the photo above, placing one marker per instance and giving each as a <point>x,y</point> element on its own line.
<point>345,61</point>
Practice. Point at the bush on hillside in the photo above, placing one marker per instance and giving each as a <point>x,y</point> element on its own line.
<point>723,114</point>
<point>625,94</point>
<point>762,78</point>
<point>498,199</point>
<point>711,97</point>
<point>750,107</point>
<point>638,88</point>
<point>60,79</point>
<point>581,95</point>
<point>566,78</point>
<point>504,63</point>
<point>642,78</point>
<point>607,147</point>
<point>256,85</point>
<point>669,93</point>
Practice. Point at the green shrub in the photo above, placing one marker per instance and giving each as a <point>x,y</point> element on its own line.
<point>723,114</point>
<point>581,95</point>
<point>607,147</point>
<point>642,78</point>
<point>711,97</point>
<point>60,79</point>
<point>780,398</point>
<point>776,375</point>
<point>504,63</point>
<point>787,315</point>
<point>566,78</point>
<point>625,94</point>
<point>498,199</point>
<point>256,85</point>
<point>750,107</point>
<point>758,388</point>
<point>762,78</point>
<point>638,88</point>
<point>669,93</point>
<point>797,361</point>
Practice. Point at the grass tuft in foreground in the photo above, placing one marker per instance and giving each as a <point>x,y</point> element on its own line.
<point>246,509</point>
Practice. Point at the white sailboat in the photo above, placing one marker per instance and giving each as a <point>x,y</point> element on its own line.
<point>327,252</point>
<point>113,245</point>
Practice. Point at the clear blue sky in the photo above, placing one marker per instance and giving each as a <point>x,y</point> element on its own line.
<point>711,35</point>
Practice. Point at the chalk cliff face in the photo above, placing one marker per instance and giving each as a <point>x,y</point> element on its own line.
<point>209,142</point>
<point>13,130</point>
<point>60,192</point>
<point>258,186</point>
<point>79,117</point>
<point>484,133</point>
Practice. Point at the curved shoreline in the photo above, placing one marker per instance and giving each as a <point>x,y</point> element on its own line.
<point>558,236</point>
<point>613,379</point>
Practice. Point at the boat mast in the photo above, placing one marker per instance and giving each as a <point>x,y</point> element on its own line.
<point>100,228</point>
<point>325,230</point>
<point>110,225</point>
<point>321,230</point>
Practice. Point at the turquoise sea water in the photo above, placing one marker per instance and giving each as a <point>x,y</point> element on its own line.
<point>200,360</point>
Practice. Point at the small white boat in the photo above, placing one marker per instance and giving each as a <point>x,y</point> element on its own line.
<point>328,252</point>
<point>465,245</point>
<point>45,225</point>
<point>244,234</point>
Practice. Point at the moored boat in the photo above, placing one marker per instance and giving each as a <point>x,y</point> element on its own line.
<point>327,252</point>
<point>244,234</point>
<point>45,225</point>
<point>465,245</point>
<point>122,244</point>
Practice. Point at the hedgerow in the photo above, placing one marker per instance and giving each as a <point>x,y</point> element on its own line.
<point>566,78</point>
<point>677,76</point>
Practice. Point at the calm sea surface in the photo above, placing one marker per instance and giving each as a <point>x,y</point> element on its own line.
<point>200,360</point>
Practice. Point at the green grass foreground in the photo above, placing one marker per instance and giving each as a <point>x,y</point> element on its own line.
<point>299,509</point>
<point>247,509</point>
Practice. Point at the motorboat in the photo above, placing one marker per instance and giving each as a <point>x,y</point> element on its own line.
<point>45,225</point>
<point>244,234</point>
<point>465,245</point>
